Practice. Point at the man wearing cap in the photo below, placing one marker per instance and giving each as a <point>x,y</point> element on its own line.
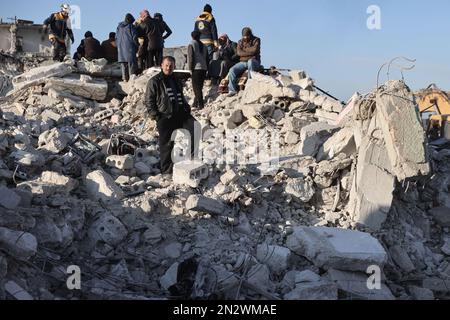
<point>206,25</point>
<point>59,24</point>
<point>249,52</point>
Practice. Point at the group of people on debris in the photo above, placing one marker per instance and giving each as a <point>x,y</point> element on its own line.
<point>139,45</point>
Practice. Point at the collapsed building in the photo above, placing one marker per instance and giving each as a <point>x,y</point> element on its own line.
<point>353,188</point>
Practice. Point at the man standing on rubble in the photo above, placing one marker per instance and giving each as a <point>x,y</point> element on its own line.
<point>166,104</point>
<point>249,52</point>
<point>206,25</point>
<point>127,45</point>
<point>59,24</point>
<point>165,33</point>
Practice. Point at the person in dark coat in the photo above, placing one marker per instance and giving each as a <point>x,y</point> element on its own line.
<point>92,47</point>
<point>109,48</point>
<point>166,104</point>
<point>198,65</point>
<point>165,31</point>
<point>206,25</point>
<point>225,58</point>
<point>127,45</point>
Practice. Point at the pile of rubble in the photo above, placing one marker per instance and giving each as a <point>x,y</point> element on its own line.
<point>358,191</point>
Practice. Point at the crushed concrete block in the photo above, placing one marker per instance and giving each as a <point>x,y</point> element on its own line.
<point>399,119</point>
<point>301,188</point>
<point>40,75</point>
<point>441,215</point>
<point>421,294</point>
<point>47,232</point>
<point>104,114</point>
<point>190,173</point>
<point>8,198</point>
<point>313,136</point>
<point>293,124</point>
<point>305,84</point>
<point>328,170</point>
<point>229,177</point>
<point>108,229</point>
<point>53,141</point>
<point>120,162</point>
<point>82,86</point>
<point>203,204</point>
<point>337,248</point>
<point>170,277</point>
<point>341,142</point>
<point>101,186</point>
<point>17,291</point>
<point>261,86</point>
<point>320,290</point>
<point>21,245</point>
<point>354,285</point>
<point>275,257</point>
<point>277,115</point>
<point>401,258</point>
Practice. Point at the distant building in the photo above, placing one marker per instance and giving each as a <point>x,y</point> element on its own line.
<point>23,36</point>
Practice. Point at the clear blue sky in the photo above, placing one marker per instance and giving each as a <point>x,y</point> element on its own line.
<point>327,38</point>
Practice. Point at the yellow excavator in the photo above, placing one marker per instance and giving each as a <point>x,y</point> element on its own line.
<point>434,107</point>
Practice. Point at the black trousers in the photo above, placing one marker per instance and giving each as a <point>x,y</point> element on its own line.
<point>59,50</point>
<point>198,80</point>
<point>154,58</point>
<point>166,127</point>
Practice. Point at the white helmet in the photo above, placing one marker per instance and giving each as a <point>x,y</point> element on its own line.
<point>65,8</point>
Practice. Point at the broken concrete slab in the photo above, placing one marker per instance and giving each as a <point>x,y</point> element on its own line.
<point>40,75</point>
<point>275,257</point>
<point>81,86</point>
<point>8,198</point>
<point>203,204</point>
<point>170,277</point>
<point>261,87</point>
<point>313,136</point>
<point>421,294</point>
<point>190,173</point>
<point>49,183</point>
<point>229,177</point>
<point>341,142</point>
<point>372,190</point>
<point>101,186</point>
<point>20,245</point>
<point>355,286</point>
<point>399,119</point>
<point>337,248</point>
<point>306,276</point>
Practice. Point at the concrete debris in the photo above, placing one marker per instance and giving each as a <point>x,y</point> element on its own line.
<point>203,204</point>
<point>8,198</point>
<point>337,248</point>
<point>80,176</point>
<point>354,286</point>
<point>101,186</point>
<point>313,136</point>
<point>190,173</point>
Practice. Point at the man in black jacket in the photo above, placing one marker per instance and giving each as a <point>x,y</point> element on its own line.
<point>165,31</point>
<point>165,103</point>
<point>59,24</point>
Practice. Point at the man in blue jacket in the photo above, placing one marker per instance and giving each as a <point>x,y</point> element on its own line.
<point>127,45</point>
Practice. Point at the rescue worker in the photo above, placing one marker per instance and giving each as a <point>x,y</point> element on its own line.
<point>206,25</point>
<point>60,28</point>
